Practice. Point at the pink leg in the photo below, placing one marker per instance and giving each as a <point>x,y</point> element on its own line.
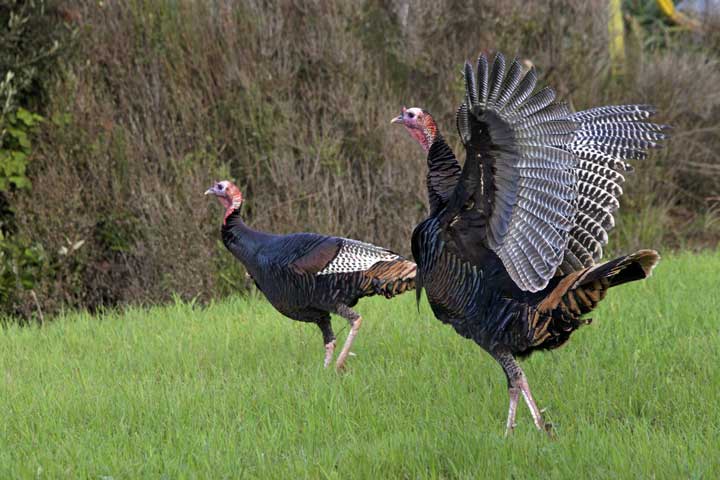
<point>329,351</point>
<point>517,383</point>
<point>522,383</point>
<point>514,396</point>
<point>340,364</point>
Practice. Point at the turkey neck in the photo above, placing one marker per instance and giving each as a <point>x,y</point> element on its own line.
<point>427,134</point>
<point>435,143</point>
<point>241,240</point>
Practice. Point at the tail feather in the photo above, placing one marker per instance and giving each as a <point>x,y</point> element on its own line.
<point>392,278</point>
<point>580,292</point>
<point>561,311</point>
<point>629,268</point>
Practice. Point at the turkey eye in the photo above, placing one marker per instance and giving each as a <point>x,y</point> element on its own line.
<point>220,186</point>
<point>411,115</point>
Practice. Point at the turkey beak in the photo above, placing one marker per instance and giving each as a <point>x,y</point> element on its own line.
<point>209,191</point>
<point>398,119</point>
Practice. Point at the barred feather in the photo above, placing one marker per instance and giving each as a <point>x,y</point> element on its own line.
<point>625,127</point>
<point>592,227</point>
<point>512,80</point>
<point>355,256</point>
<point>482,79</point>
<point>555,175</point>
<point>601,170</point>
<point>543,226</point>
<point>470,86</point>
<point>571,261</point>
<point>524,90</point>
<point>593,154</point>
<point>607,136</point>
<point>461,117</point>
<point>551,217</point>
<point>552,155</point>
<point>550,188</point>
<point>607,142</point>
<point>631,112</point>
<point>537,102</point>
<point>555,111</point>
<point>588,242</point>
<point>519,257</point>
<point>578,250</point>
<point>599,181</point>
<point>602,197</point>
<point>600,214</point>
<point>496,79</point>
<point>532,211</point>
<point>548,202</point>
<point>549,127</point>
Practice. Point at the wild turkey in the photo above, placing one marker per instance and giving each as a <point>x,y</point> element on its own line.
<point>307,276</point>
<point>507,255</point>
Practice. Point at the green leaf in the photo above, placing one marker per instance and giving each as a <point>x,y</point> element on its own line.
<point>25,116</point>
<point>61,119</point>
<point>17,133</point>
<point>28,118</point>
<point>19,157</point>
<point>24,142</point>
<point>20,182</point>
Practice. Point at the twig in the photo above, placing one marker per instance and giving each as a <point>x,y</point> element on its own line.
<point>37,304</point>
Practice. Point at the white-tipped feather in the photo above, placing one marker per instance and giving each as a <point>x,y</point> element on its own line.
<point>355,256</point>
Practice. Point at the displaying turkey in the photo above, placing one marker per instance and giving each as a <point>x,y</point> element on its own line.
<point>508,253</point>
<point>307,276</point>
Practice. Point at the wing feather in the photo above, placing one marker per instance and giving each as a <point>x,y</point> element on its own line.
<point>548,179</point>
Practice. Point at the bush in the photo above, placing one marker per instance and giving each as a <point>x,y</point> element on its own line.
<point>31,38</point>
<point>292,100</point>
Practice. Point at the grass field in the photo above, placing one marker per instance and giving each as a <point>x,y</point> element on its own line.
<point>236,390</point>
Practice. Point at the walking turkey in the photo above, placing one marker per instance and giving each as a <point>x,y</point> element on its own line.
<point>508,253</point>
<point>307,276</point>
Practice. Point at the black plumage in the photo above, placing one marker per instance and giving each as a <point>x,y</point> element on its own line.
<point>307,276</point>
<point>508,253</point>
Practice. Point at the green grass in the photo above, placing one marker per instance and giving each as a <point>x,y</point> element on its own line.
<point>236,390</point>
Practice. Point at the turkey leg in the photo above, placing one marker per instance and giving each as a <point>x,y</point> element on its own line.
<point>328,339</point>
<point>534,410</point>
<point>329,350</point>
<point>355,321</point>
<point>514,396</point>
<point>517,383</point>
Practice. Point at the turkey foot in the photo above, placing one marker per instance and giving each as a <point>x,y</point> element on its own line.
<point>534,410</point>
<point>340,365</point>
<point>517,384</point>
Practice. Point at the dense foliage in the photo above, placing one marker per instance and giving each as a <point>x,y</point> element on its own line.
<point>33,35</point>
<point>157,99</point>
